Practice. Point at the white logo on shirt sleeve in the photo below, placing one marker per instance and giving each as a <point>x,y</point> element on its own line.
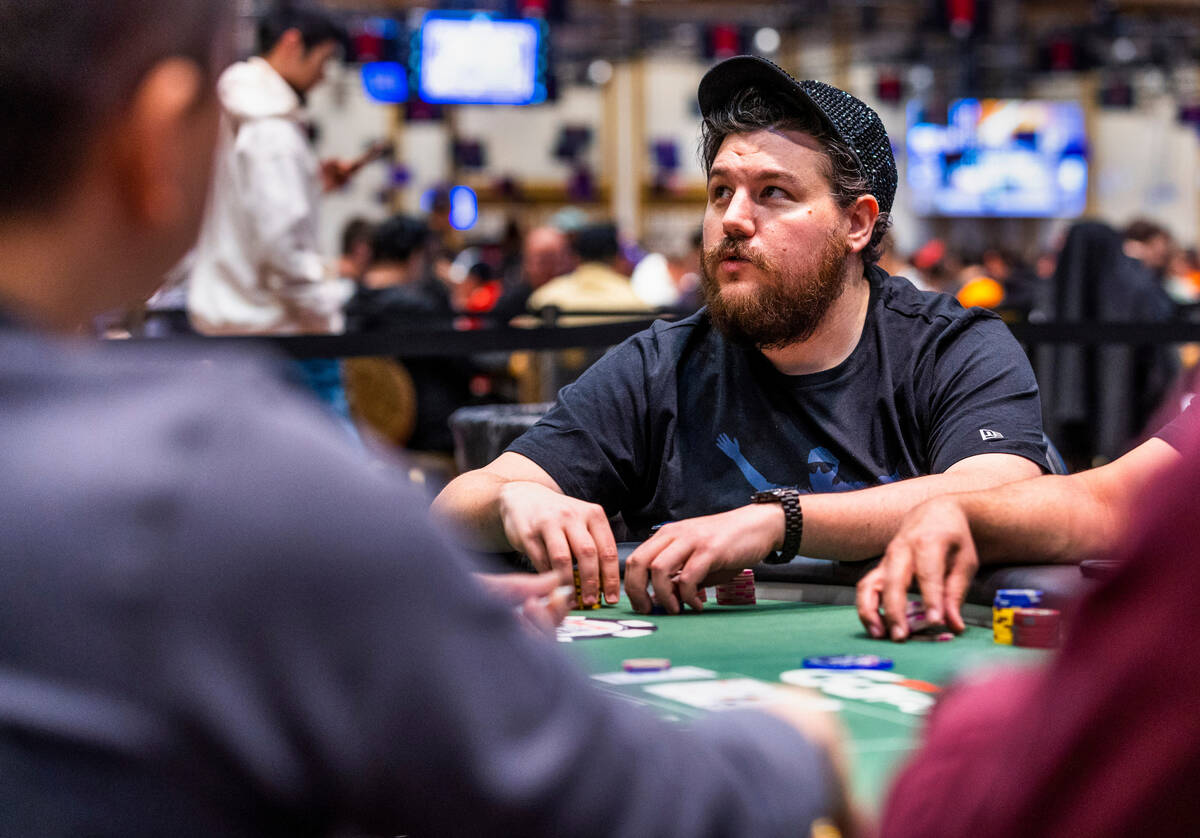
<point>988,434</point>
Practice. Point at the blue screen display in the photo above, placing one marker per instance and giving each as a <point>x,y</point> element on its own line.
<point>480,60</point>
<point>998,157</point>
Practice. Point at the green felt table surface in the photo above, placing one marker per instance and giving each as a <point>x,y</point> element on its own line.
<point>772,637</point>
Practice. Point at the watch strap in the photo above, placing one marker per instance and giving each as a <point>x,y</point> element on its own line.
<point>793,522</point>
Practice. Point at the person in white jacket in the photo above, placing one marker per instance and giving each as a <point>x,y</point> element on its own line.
<point>258,269</point>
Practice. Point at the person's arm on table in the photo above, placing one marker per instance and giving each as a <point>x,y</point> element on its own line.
<point>845,526</point>
<point>513,504</point>
<point>1044,520</point>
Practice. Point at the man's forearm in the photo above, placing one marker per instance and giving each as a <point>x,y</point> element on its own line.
<point>1064,519</point>
<point>853,526</point>
<point>1048,519</point>
<point>469,507</point>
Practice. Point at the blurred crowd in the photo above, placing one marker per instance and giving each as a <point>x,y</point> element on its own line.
<point>412,275</point>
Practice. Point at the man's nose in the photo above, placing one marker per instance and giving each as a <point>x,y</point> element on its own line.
<point>738,220</point>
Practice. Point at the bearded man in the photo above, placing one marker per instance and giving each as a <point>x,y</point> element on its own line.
<point>812,403</point>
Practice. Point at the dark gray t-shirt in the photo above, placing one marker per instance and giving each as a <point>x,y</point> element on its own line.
<point>218,619</point>
<point>677,422</point>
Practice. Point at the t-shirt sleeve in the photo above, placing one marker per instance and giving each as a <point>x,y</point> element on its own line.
<point>983,396</point>
<point>1175,432</point>
<point>593,441</point>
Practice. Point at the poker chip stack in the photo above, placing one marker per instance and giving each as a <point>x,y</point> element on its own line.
<point>579,594</point>
<point>1036,628</point>
<point>738,591</point>
<point>920,627</point>
<point>1005,601</point>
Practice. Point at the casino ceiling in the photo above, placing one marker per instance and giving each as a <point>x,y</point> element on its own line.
<point>1001,38</point>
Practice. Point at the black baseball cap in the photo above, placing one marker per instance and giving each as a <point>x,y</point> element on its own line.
<point>849,119</point>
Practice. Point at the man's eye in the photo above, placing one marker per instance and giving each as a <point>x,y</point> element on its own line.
<point>719,192</point>
<point>774,192</point>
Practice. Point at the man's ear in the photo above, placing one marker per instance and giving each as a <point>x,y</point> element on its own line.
<point>290,45</point>
<point>862,216</point>
<point>155,142</point>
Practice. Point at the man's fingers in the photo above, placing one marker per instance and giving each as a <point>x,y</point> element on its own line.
<point>930,569</point>
<point>558,554</point>
<point>610,566</point>
<point>534,549</point>
<point>866,600</point>
<point>957,582</point>
<point>515,588</point>
<point>587,560</point>
<point>897,575</point>
<point>637,574</point>
<point>689,581</point>
<point>663,570</point>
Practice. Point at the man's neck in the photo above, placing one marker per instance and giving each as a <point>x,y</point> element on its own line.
<point>280,67</point>
<point>834,339</point>
<point>34,284</point>
<point>53,268</point>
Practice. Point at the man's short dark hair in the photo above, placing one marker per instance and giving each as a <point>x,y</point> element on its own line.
<point>596,243</point>
<point>66,69</point>
<point>356,231</point>
<point>753,110</point>
<point>398,238</point>
<point>1144,230</point>
<point>316,25</point>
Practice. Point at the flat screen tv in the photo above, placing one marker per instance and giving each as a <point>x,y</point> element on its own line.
<point>998,157</point>
<point>476,59</point>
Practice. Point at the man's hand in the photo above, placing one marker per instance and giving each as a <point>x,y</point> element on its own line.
<point>552,529</point>
<point>933,543</point>
<point>684,556</point>
<point>541,601</point>
<point>336,173</point>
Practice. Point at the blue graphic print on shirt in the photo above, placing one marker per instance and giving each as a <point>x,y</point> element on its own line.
<point>822,470</point>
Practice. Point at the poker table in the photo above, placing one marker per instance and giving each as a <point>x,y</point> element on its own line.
<point>882,710</point>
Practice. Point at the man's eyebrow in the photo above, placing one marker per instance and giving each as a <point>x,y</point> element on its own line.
<point>757,174</point>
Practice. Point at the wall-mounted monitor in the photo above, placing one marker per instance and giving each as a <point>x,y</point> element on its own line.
<point>998,157</point>
<point>476,59</point>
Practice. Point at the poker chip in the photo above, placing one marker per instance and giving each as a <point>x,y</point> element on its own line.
<point>1036,628</point>
<point>1003,603</point>
<point>738,591</point>
<point>646,664</point>
<point>848,662</point>
<point>579,594</point>
<point>919,626</point>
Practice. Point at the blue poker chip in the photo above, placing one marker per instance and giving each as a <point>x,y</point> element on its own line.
<point>848,662</point>
<point>1017,598</point>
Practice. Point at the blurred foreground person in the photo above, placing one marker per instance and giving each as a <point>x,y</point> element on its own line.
<point>216,619</point>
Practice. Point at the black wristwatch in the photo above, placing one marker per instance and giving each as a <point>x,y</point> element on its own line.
<point>793,521</point>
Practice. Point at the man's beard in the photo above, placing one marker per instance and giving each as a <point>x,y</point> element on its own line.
<point>785,308</point>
